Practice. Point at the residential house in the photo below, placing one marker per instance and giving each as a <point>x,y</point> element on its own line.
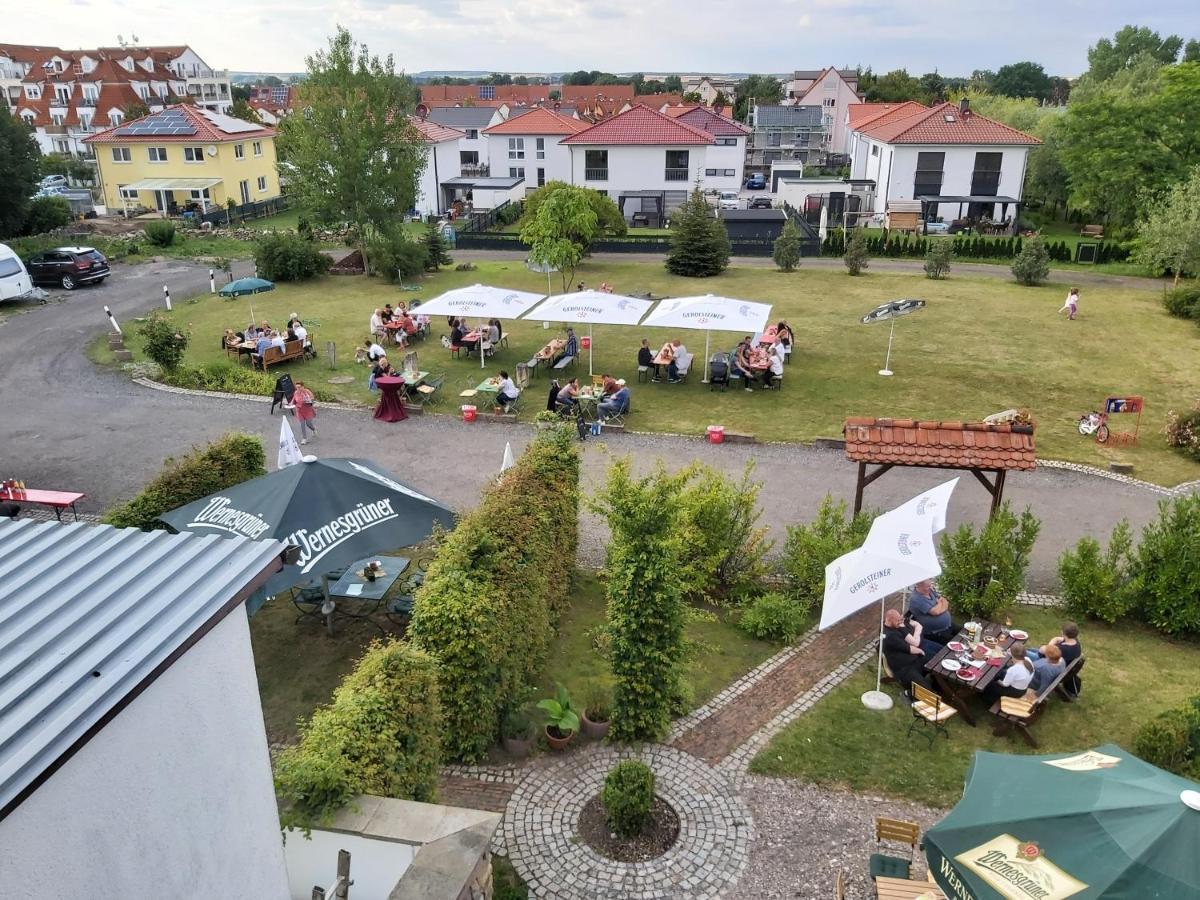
<point>791,134</point>
<point>662,101</point>
<point>645,161</point>
<point>442,165</point>
<point>473,147</point>
<point>802,81</point>
<point>207,87</point>
<point>834,91</point>
<point>183,156</point>
<point>725,160</point>
<point>709,87</point>
<point>977,164</point>
<point>529,146</point>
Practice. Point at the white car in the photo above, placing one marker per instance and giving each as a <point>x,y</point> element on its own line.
<point>14,279</point>
<point>53,181</point>
<point>729,200</point>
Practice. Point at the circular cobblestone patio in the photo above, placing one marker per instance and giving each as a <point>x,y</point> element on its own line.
<point>542,843</point>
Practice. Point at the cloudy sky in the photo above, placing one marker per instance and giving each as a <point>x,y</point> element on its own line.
<point>953,36</point>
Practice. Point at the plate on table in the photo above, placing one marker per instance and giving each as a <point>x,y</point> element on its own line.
<point>1018,635</point>
<point>956,647</point>
<point>967,673</point>
<point>951,665</point>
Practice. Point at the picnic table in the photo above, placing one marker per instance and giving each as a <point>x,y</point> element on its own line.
<point>354,585</point>
<point>488,386</point>
<point>552,349</point>
<point>589,400</point>
<point>958,690</point>
<point>57,500</point>
<point>906,889</point>
<point>768,337</point>
<point>391,404</point>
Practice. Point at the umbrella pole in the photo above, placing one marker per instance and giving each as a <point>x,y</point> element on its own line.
<point>887,362</point>
<point>877,699</point>
<point>704,380</point>
<point>590,350</point>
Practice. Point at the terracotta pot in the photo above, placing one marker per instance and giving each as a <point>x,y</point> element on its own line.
<point>516,747</point>
<point>594,730</point>
<point>558,743</point>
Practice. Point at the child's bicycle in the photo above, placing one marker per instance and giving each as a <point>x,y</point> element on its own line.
<point>1095,423</point>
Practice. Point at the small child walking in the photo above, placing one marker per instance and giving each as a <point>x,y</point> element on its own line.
<point>1071,305</point>
<point>303,400</point>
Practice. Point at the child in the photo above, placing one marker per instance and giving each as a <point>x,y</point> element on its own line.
<point>1071,649</point>
<point>1071,305</point>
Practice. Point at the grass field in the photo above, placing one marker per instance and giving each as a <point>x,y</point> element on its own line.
<point>980,346</point>
<point>1132,674</point>
<point>291,219</point>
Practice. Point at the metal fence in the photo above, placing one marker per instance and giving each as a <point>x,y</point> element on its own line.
<point>482,220</point>
<point>657,245</point>
<point>239,214</point>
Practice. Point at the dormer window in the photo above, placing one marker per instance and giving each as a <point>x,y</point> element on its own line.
<point>28,118</point>
<point>114,118</point>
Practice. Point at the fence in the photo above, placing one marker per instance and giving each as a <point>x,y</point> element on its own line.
<point>246,211</point>
<point>658,245</point>
<point>481,221</point>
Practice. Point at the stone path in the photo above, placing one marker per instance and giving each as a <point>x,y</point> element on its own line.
<point>472,793</point>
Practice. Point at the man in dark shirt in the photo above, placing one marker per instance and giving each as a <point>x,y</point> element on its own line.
<point>903,651</point>
<point>645,357</point>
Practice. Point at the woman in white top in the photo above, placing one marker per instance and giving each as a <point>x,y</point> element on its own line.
<point>376,326</point>
<point>507,392</point>
<point>1016,678</point>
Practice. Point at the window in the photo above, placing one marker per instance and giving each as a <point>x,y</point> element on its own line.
<point>89,95</point>
<point>773,138</point>
<point>468,157</point>
<point>193,154</point>
<point>33,92</point>
<point>114,118</point>
<point>595,165</point>
<point>62,146</point>
<point>928,182</point>
<point>874,149</point>
<point>62,93</point>
<point>541,179</point>
<point>676,165</point>
<point>257,148</point>
<point>541,148</point>
<point>85,122</point>
<point>985,179</point>
<point>515,172</point>
<point>720,173</point>
<point>487,92</point>
<point>157,154</point>
<point>472,134</point>
<point>197,195</point>
<point>516,148</point>
<point>56,118</point>
<point>120,154</point>
<point>127,193</point>
<point>830,102</point>
<point>727,142</point>
<point>262,183</point>
<point>239,151</point>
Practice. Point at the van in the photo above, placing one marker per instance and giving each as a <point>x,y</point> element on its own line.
<point>14,280</point>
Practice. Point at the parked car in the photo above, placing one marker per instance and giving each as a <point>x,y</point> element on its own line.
<point>68,267</point>
<point>760,203</point>
<point>937,228</point>
<point>756,182</point>
<point>53,181</point>
<point>729,200</point>
<point>14,279</point>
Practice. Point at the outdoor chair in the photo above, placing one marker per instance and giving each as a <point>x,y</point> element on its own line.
<point>643,373</point>
<point>522,375</point>
<point>897,831</point>
<point>597,382</point>
<point>683,363</point>
<point>617,418</point>
<point>930,709</point>
<point>428,391</point>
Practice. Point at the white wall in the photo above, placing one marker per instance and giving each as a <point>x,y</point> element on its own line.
<point>956,174</point>
<point>640,168</point>
<point>375,865</point>
<point>173,798</point>
<point>557,164</point>
<point>441,164</point>
<point>722,157</point>
<point>490,198</point>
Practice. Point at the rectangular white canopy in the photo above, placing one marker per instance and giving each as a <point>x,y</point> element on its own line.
<point>592,308</point>
<point>480,301</point>
<point>711,313</point>
<point>172,184</point>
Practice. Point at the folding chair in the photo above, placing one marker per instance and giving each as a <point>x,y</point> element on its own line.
<point>428,392</point>
<point>931,709</point>
<point>897,831</point>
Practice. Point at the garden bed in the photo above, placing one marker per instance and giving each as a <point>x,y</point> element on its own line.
<point>657,837</point>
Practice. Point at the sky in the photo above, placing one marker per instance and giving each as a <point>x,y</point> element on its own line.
<point>952,36</point>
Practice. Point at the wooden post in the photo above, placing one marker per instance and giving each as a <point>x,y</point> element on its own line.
<point>858,490</point>
<point>331,354</point>
<point>998,496</point>
<point>343,876</point>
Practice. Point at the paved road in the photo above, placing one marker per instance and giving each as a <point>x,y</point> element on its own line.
<point>69,425</point>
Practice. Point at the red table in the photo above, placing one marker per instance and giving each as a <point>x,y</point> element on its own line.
<point>58,500</point>
<point>391,404</point>
<point>768,336</point>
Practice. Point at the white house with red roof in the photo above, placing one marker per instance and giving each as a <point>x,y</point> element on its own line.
<point>725,159</point>
<point>834,90</point>
<point>441,164</point>
<point>959,163</point>
<point>529,145</point>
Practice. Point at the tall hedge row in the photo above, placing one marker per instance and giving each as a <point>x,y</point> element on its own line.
<point>379,735</point>
<point>490,603</point>
<point>227,461</point>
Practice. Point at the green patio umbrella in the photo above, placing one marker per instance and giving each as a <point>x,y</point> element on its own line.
<point>245,286</point>
<point>1101,823</point>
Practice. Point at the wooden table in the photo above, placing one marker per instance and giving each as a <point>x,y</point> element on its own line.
<point>957,692</point>
<point>391,404</point>
<point>57,500</point>
<point>907,889</point>
<point>552,349</point>
<point>768,337</point>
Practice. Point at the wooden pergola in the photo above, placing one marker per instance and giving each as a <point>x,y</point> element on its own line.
<point>975,447</point>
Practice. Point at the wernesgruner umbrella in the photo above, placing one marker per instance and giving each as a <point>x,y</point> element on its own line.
<point>336,511</point>
<point>1098,824</point>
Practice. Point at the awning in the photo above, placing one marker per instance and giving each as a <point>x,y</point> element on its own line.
<point>172,184</point>
<point>927,198</point>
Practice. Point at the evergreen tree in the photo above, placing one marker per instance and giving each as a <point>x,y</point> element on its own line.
<point>19,157</point>
<point>856,252</point>
<point>787,247</point>
<point>1032,267</point>
<point>699,242</point>
<point>436,254</point>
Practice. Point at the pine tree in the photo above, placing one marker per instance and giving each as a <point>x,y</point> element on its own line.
<point>1032,267</point>
<point>699,242</point>
<point>436,254</point>
<point>787,247</point>
<point>856,252</point>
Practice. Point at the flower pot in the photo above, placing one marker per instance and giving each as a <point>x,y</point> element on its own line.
<point>517,748</point>
<point>594,730</point>
<point>560,742</point>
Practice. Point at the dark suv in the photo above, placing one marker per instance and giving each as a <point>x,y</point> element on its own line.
<point>68,267</point>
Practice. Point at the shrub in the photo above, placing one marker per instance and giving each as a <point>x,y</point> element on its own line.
<point>160,232</point>
<point>395,256</point>
<point>1183,432</point>
<point>46,214</point>
<point>1032,265</point>
<point>984,572</point>
<point>1166,575</point>
<point>810,548</point>
<point>163,341</point>
<point>1171,740</point>
<point>857,253</point>
<point>937,260</point>
<point>561,715</point>
<point>1096,583</point>
<point>490,603</point>
<point>227,461</point>
<point>282,256</point>
<point>379,735</point>
<point>628,796</point>
<point>436,254</point>
<point>226,378</point>
<point>1183,302</point>
<point>597,701</point>
<point>773,616</point>
<point>699,242</point>
<point>786,252</point>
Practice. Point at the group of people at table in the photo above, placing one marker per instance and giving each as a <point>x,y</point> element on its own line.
<point>255,340</point>
<point>396,324</point>
<point>911,639</point>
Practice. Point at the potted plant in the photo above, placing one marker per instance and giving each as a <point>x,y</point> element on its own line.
<point>517,732</point>
<point>562,721</point>
<point>597,709</point>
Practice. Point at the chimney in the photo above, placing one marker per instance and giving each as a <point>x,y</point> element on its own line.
<point>964,106</point>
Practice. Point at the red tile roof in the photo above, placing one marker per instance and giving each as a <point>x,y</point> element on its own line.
<point>863,113</point>
<point>940,445</point>
<point>538,121</point>
<point>435,133</point>
<point>945,124</point>
<point>641,125</point>
<point>657,101</point>
<point>706,120</point>
<point>571,93</point>
<point>207,129</point>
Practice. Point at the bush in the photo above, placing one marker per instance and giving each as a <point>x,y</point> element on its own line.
<point>1183,302</point>
<point>47,214</point>
<point>1171,740</point>
<point>162,341</point>
<point>699,242</point>
<point>1183,432</point>
<point>436,254</point>
<point>396,257</point>
<point>810,548</point>
<point>628,796</point>
<point>937,260</point>
<point>282,256</point>
<point>160,232</point>
<point>983,573</point>
<point>1096,584</point>
<point>227,461</point>
<point>489,606</point>
<point>226,378</point>
<point>379,735</point>
<point>1166,574</point>
<point>857,252</point>
<point>786,252</point>
<point>773,617</point>
<point>1032,265</point>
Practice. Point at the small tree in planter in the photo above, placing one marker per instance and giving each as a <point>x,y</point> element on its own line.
<point>436,254</point>
<point>628,797</point>
<point>597,708</point>
<point>787,247</point>
<point>517,732</point>
<point>856,252</point>
<point>937,260</point>
<point>562,721</point>
<point>1032,267</point>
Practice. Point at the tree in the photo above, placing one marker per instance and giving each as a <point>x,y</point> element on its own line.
<point>244,111</point>
<point>720,99</point>
<point>759,90</point>
<point>1032,265</point>
<point>699,242</point>
<point>673,84</point>
<point>560,228</point>
<point>435,248</point>
<point>1191,51</point>
<point>579,77</point>
<point>938,259</point>
<point>895,87</point>
<point>1168,238</point>
<point>934,86</point>
<point>856,258</point>
<point>134,110</point>
<point>354,155</point>
<point>1045,177</point>
<point>271,81</point>
<point>786,252</point>
<point>46,214</point>
<point>981,80</point>
<point>1109,57</point>
<point>555,95</point>
<point>692,97</point>
<point>239,92</point>
<point>19,158</point>
<point>1023,79</point>
<point>521,79</point>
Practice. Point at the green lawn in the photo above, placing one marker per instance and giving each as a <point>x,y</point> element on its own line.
<point>1131,675</point>
<point>980,346</point>
<point>290,219</point>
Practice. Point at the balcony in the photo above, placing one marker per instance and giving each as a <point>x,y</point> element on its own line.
<point>595,174</point>
<point>475,170</point>
<point>675,174</point>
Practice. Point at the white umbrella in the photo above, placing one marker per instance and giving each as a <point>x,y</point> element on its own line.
<point>481,301</point>
<point>709,313</point>
<point>930,506</point>
<point>289,450</point>
<point>508,462</point>
<point>592,308</point>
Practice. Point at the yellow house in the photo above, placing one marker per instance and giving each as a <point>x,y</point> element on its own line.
<point>185,158</point>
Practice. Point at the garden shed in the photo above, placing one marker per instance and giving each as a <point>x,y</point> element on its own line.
<point>753,224</point>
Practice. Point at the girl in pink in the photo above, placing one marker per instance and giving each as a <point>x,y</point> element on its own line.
<point>1071,305</point>
<point>303,399</point>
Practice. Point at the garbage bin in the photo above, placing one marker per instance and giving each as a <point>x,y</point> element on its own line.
<point>468,413</point>
<point>716,434</point>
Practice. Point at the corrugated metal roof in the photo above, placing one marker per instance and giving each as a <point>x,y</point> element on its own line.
<point>87,614</point>
<point>462,116</point>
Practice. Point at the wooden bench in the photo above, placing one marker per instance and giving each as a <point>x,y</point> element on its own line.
<point>563,363</point>
<point>273,356</point>
<point>1092,231</point>
<point>533,364</point>
<point>1016,712</point>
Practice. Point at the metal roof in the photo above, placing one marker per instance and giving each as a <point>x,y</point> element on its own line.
<point>89,616</point>
<point>462,116</point>
<point>172,184</point>
<point>973,198</point>
<point>496,182</point>
<point>788,116</point>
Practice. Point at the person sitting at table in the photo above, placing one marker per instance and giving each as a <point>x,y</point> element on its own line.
<point>376,326</point>
<point>456,334</point>
<point>277,340</point>
<point>606,287</point>
<point>1070,648</point>
<point>774,366</point>
<point>665,357</point>
<point>230,341</point>
<point>741,362</point>
<point>262,344</point>
<point>1046,668</point>
<point>493,337</point>
<point>301,334</point>
<point>251,332</point>
<point>678,352</point>
<point>645,356</point>
<point>507,391</point>
<point>408,324</point>
<point>904,651</point>
<point>1015,681</point>
<point>932,610</point>
<point>615,405</point>
<point>608,385</point>
<point>568,396</point>
<point>386,315</point>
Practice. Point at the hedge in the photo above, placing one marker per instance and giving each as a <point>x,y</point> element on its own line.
<point>379,735</point>
<point>1171,740</point>
<point>881,242</point>
<point>490,603</point>
<point>227,461</point>
<point>227,378</point>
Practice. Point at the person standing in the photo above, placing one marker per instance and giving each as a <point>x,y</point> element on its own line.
<point>1071,304</point>
<point>303,400</point>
